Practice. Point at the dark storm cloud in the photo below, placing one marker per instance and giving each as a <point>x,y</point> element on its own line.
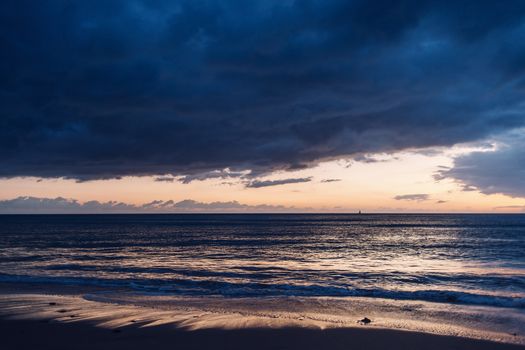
<point>501,170</point>
<point>103,89</point>
<point>59,205</point>
<point>164,179</point>
<point>216,174</point>
<point>268,183</point>
<point>367,158</point>
<point>419,197</point>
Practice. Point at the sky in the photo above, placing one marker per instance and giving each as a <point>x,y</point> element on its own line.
<point>262,106</point>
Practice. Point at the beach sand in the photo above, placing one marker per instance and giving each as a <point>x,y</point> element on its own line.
<point>75,321</point>
<point>33,334</point>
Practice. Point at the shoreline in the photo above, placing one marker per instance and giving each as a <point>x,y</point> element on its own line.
<point>118,318</point>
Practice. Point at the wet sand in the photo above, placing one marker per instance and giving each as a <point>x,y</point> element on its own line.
<point>73,321</point>
<point>33,334</point>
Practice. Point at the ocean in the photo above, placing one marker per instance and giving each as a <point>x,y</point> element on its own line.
<point>454,259</point>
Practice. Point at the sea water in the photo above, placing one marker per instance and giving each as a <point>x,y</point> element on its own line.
<point>455,259</point>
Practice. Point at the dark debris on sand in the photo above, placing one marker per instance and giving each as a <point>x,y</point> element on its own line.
<point>365,320</point>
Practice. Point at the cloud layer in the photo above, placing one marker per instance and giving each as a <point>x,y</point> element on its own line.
<point>501,170</point>
<point>59,205</point>
<point>268,183</point>
<point>103,89</point>
<point>418,197</point>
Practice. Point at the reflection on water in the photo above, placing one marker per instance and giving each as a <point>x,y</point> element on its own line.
<point>471,259</point>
